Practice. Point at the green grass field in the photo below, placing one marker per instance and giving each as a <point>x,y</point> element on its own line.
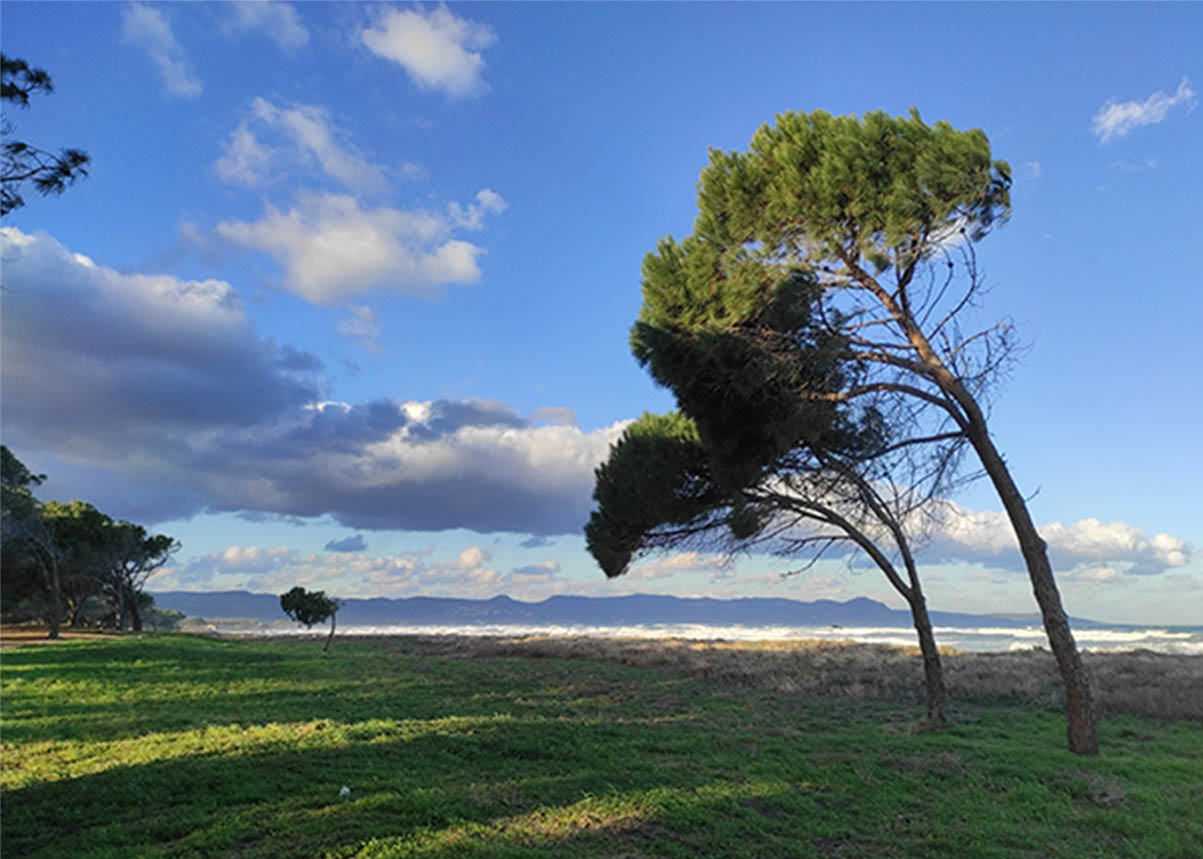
<point>176,745</point>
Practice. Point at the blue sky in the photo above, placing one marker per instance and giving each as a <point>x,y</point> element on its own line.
<point>344,301</point>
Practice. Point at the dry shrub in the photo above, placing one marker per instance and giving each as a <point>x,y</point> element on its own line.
<point>1152,684</point>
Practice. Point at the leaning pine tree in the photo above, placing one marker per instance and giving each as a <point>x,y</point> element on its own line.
<point>883,214</point>
<point>754,457</point>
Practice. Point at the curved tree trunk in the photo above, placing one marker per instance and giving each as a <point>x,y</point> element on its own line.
<point>1079,702</point>
<point>330,637</point>
<point>933,670</point>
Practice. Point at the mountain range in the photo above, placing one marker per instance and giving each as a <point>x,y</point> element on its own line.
<point>634,610</point>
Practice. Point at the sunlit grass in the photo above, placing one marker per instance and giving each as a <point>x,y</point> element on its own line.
<point>183,746</point>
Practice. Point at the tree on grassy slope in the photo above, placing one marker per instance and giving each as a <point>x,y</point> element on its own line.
<point>310,607</point>
<point>882,213</point>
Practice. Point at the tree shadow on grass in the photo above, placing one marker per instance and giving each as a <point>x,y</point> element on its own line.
<point>460,757</point>
<point>102,694</point>
<point>269,799</point>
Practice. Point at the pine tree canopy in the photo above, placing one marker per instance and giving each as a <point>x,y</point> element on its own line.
<point>741,319</point>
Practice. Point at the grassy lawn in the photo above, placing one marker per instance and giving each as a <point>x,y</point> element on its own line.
<point>175,745</point>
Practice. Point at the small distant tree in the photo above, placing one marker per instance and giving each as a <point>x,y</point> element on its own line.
<point>309,608</point>
<point>21,162</point>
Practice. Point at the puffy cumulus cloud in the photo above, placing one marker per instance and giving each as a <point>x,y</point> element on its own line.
<point>333,250</point>
<point>279,21</point>
<point>101,364</point>
<point>154,398</point>
<point>348,544</point>
<point>473,557</point>
<point>1108,549</point>
<point>370,466</point>
<point>147,27</point>
<point>414,466</point>
<point>299,135</point>
<point>438,50</point>
<point>1117,118</point>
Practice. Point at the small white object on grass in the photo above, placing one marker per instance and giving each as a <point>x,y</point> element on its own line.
<point>344,791</point>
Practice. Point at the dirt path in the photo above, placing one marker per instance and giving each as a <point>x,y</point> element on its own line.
<point>15,636</point>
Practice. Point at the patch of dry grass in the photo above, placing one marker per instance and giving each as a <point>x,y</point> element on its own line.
<point>1139,682</point>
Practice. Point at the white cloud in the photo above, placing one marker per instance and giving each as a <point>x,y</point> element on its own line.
<point>437,49</point>
<point>101,357</point>
<point>147,27</point>
<point>1116,119</point>
<point>311,129</point>
<point>987,537</point>
<point>279,21</point>
<point>302,135</point>
<point>245,160</point>
<point>155,399</point>
<point>473,557</point>
<point>680,563</point>
<point>541,570</point>
<point>472,216</point>
<point>361,325</point>
<point>333,250</point>
<point>554,415</point>
<point>349,575</point>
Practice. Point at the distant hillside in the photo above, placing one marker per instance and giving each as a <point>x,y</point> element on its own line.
<point>638,609</point>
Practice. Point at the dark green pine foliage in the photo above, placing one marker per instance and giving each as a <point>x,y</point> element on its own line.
<point>750,363</point>
<point>657,478</point>
<point>738,319</point>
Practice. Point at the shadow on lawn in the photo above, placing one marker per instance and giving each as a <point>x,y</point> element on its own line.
<point>191,684</point>
<point>471,756</point>
<point>517,784</point>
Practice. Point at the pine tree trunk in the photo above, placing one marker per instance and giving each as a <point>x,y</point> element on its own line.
<point>933,670</point>
<point>55,615</point>
<point>330,637</point>
<point>135,615</point>
<point>1079,702</point>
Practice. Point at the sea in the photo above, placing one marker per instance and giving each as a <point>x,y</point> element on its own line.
<point>1175,640</point>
